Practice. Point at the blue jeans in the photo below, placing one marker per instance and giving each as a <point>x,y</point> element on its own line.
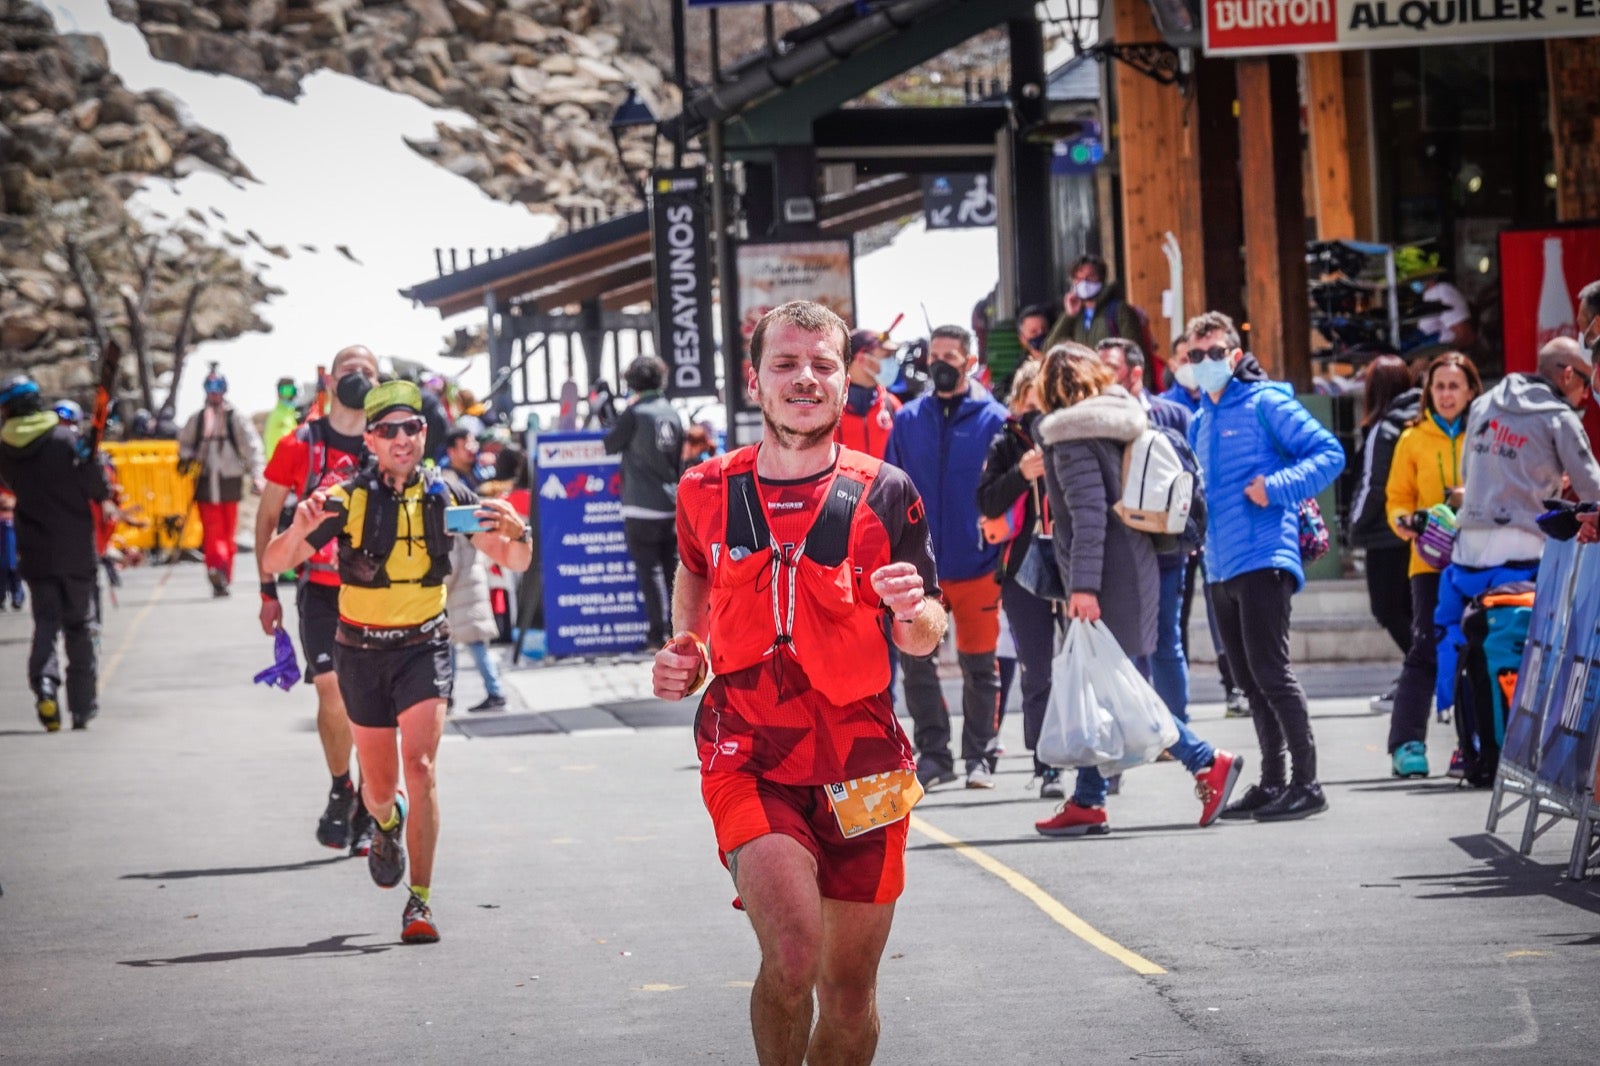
<point>485,663</point>
<point>1169,668</point>
<point>1091,788</point>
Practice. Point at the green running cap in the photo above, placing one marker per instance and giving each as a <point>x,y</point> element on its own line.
<point>392,396</point>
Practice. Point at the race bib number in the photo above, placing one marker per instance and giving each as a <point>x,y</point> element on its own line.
<point>874,801</point>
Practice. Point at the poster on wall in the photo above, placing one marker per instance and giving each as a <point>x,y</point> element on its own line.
<point>591,598</point>
<point>1541,271</point>
<point>774,274</point>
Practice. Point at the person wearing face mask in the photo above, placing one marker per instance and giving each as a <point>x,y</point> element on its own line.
<point>318,455</point>
<point>1425,471</point>
<point>222,446</point>
<point>1033,326</point>
<point>941,440</point>
<point>869,409</point>
<point>283,417</point>
<point>1261,454</point>
<point>1185,390</point>
<point>1095,309</point>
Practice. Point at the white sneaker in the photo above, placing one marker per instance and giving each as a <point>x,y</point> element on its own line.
<point>978,776</point>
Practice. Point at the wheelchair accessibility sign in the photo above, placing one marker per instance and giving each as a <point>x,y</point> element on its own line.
<point>958,201</point>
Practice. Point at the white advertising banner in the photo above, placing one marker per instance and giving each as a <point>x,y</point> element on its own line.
<point>1263,27</point>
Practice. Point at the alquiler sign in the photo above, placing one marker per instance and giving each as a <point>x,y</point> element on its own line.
<point>1260,27</point>
<point>683,282</point>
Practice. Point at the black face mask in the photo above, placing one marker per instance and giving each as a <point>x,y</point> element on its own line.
<point>944,376</point>
<point>352,389</point>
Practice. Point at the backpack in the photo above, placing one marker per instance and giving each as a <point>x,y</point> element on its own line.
<point>1495,628</point>
<point>1157,488</point>
<point>1146,339</point>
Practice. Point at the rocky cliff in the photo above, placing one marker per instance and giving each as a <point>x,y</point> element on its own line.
<point>75,143</point>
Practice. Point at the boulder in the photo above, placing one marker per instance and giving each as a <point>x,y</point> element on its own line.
<point>528,81</point>
<point>38,290</point>
<point>16,69</point>
<point>114,134</point>
<point>512,26</point>
<point>148,152</point>
<point>599,71</point>
<point>433,18</point>
<point>22,329</point>
<point>470,166</point>
<point>473,16</point>
<point>558,64</point>
<point>171,44</point>
<point>87,114</point>
<point>117,104</point>
<point>84,151</point>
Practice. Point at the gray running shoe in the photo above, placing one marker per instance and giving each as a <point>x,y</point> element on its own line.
<point>386,861</point>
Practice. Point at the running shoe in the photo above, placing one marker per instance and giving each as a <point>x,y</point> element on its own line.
<point>1255,797</point>
<point>1075,821</point>
<point>49,712</point>
<point>1458,765</point>
<point>1410,760</point>
<point>386,861</point>
<point>333,828</point>
<point>1050,787</point>
<point>492,703</point>
<point>1238,706</point>
<point>416,925</point>
<point>931,774</point>
<point>979,775</point>
<point>1296,801</point>
<point>1214,785</point>
<point>362,830</point>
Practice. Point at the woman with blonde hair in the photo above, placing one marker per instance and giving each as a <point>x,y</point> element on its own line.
<point>1088,424</point>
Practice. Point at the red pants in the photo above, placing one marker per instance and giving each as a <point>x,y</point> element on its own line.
<point>219,522</point>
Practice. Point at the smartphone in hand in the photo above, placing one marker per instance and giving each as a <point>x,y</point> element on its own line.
<point>463,519</point>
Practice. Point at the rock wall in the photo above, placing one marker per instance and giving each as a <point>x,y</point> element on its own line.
<point>75,143</point>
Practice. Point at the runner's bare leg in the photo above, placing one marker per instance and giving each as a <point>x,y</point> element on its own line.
<point>853,936</point>
<point>421,725</point>
<point>777,882</point>
<point>333,724</point>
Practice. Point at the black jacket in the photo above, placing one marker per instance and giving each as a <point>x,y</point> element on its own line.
<point>55,489</point>
<point>1369,522</point>
<point>1002,482</point>
<point>649,434</point>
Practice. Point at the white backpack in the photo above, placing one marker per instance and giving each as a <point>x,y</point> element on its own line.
<point>1157,491</point>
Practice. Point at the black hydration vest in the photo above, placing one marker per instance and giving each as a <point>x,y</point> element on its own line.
<point>366,567</point>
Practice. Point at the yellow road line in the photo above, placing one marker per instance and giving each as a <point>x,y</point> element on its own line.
<point>1041,899</point>
<point>133,627</point>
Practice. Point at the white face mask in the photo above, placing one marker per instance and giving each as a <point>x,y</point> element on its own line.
<point>1185,376</point>
<point>1086,289</point>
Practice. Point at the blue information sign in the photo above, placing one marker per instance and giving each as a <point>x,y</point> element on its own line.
<point>591,598</point>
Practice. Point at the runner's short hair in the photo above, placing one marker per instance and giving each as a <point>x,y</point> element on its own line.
<point>801,314</point>
<point>1212,322</point>
<point>954,333</point>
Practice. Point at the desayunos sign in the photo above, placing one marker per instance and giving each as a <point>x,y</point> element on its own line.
<point>1259,27</point>
<point>683,282</point>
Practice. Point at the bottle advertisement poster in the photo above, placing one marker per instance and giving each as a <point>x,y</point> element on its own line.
<point>591,597</point>
<point>1541,272</point>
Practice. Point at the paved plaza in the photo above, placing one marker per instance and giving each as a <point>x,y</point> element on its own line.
<point>165,901</point>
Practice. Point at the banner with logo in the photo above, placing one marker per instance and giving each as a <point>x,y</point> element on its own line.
<point>591,597</point>
<point>1264,27</point>
<point>959,201</point>
<point>683,282</point>
<point>1541,273</point>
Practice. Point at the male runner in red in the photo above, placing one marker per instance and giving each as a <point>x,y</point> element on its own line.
<point>797,555</point>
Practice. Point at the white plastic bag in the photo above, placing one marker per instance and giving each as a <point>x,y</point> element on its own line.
<point>1101,711</point>
<point>1077,729</point>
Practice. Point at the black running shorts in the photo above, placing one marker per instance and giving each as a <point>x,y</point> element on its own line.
<point>318,606</point>
<point>379,683</point>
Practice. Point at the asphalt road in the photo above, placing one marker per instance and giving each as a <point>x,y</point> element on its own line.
<point>165,901</point>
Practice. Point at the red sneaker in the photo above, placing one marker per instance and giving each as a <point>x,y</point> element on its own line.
<point>1075,821</point>
<point>1213,785</point>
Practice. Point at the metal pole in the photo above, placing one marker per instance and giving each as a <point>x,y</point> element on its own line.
<point>680,78</point>
<point>728,288</point>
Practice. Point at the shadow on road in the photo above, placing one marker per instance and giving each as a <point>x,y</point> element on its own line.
<point>233,871</point>
<point>329,947</point>
<point>1504,875</point>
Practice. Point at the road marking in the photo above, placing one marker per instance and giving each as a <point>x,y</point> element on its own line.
<point>1041,899</point>
<point>133,627</point>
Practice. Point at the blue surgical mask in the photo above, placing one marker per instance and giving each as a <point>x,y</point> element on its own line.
<point>1212,374</point>
<point>889,370</point>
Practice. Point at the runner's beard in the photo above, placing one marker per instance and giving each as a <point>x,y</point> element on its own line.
<point>798,439</point>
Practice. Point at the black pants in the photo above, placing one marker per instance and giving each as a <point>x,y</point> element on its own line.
<point>1196,569</point>
<point>1390,592</point>
<point>1033,629</point>
<point>1253,621</point>
<point>70,607</point>
<point>1409,719</point>
<point>653,544</point>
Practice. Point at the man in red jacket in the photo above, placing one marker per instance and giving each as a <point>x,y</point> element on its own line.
<point>868,407</point>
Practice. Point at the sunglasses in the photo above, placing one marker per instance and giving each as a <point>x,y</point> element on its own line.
<point>411,427</point>
<point>1215,352</point>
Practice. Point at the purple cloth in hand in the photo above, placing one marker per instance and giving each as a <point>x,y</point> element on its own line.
<point>285,670</point>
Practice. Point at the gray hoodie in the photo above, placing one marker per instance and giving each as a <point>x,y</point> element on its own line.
<point>1521,437</point>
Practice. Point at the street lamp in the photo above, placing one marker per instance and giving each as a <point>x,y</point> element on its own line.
<point>633,113</point>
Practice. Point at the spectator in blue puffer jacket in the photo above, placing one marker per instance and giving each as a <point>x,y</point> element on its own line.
<point>1262,454</point>
<point>941,439</point>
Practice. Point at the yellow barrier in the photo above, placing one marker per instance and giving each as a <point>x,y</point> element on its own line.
<point>148,471</point>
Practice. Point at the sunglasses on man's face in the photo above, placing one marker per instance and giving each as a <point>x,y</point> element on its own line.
<point>1215,352</point>
<point>409,426</point>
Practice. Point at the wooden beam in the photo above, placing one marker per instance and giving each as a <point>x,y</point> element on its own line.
<point>1222,254</point>
<point>1157,159</point>
<point>1574,73</point>
<point>1358,141</point>
<point>1274,217</point>
<point>1330,146</point>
